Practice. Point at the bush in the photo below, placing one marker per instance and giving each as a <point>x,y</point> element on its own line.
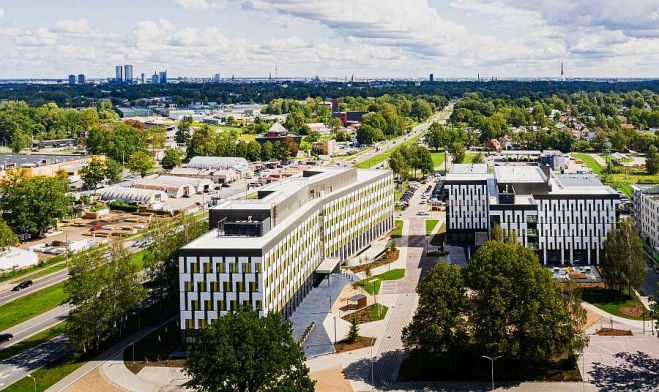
<point>122,206</point>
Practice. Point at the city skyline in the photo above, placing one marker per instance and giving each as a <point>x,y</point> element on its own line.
<point>252,38</point>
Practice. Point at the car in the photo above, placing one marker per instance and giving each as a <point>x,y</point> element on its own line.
<point>423,213</point>
<point>6,337</point>
<point>23,285</point>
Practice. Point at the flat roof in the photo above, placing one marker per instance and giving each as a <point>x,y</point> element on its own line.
<point>519,174</point>
<point>580,184</point>
<point>468,172</point>
<point>37,159</point>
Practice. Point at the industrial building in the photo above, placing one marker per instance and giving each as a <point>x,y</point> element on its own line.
<point>269,252</point>
<point>563,217</point>
<point>44,164</point>
<point>174,186</point>
<point>132,195</point>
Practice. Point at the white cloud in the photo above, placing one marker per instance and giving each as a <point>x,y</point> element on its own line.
<point>38,37</point>
<point>2,13</point>
<point>197,5</point>
<point>72,26</point>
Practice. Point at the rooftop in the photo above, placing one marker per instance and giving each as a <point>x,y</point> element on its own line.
<point>36,159</point>
<point>519,174</point>
<point>468,172</point>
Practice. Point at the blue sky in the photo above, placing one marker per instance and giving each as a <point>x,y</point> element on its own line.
<point>333,38</point>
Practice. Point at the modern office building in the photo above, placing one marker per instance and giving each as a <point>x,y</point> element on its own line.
<point>216,78</point>
<point>162,77</point>
<point>82,79</point>
<point>118,73</point>
<point>563,217</point>
<point>268,252</point>
<point>128,73</point>
<point>154,78</point>
<point>142,78</point>
<point>646,212</point>
<point>72,80</point>
<point>431,78</point>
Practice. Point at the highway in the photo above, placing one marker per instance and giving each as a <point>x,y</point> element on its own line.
<point>36,324</point>
<point>7,295</point>
<point>19,366</point>
<point>389,144</point>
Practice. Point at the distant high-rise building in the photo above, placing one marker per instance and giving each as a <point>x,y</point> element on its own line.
<point>142,78</point>
<point>82,79</point>
<point>118,73</point>
<point>72,79</point>
<point>154,78</point>
<point>217,78</point>
<point>128,73</point>
<point>432,77</point>
<point>162,77</point>
<point>562,70</point>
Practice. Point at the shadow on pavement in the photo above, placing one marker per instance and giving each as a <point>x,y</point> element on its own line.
<point>634,372</point>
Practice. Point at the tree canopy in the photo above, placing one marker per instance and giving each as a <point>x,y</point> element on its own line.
<point>622,263</point>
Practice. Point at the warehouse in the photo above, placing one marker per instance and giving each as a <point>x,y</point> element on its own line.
<point>200,162</point>
<point>175,187</point>
<point>132,195</point>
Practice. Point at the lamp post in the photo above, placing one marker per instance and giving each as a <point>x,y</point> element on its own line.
<point>34,380</point>
<point>492,359</point>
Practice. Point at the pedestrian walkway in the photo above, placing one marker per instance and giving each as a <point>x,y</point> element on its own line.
<point>313,309</point>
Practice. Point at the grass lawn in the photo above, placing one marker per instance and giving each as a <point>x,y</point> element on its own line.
<point>138,258</point>
<point>28,306</point>
<point>372,285</point>
<point>399,229</point>
<point>438,238</point>
<point>611,301</point>
<point>379,158</point>
<point>437,160</point>
<point>589,161</point>
<point>430,225</point>
<point>41,272</point>
<point>623,181</point>
<point>33,341</point>
<point>469,157</point>
<point>375,312</point>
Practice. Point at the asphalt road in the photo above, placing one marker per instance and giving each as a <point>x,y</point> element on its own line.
<point>19,366</point>
<point>36,324</point>
<point>7,295</point>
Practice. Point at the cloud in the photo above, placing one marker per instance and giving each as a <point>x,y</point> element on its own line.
<point>197,5</point>
<point>72,26</point>
<point>38,37</point>
<point>2,13</point>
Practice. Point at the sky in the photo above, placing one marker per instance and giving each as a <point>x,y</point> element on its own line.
<point>331,38</point>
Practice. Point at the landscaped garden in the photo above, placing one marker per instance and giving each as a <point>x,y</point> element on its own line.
<point>614,302</point>
<point>375,312</point>
<point>372,284</point>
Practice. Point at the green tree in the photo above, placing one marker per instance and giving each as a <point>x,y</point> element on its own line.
<point>203,142</point>
<point>7,236</point>
<point>33,204</point>
<point>20,140</point>
<point>439,326</point>
<point>652,160</point>
<point>113,171</point>
<point>478,158</point>
<point>182,135</point>
<point>140,162</point>
<point>365,134</point>
<point>267,152</point>
<point>253,151</point>
<point>94,173</point>
<point>171,159</point>
<point>242,352</point>
<point>457,151</point>
<point>622,262</point>
<point>398,163</point>
<point>516,307</point>
<point>353,332</point>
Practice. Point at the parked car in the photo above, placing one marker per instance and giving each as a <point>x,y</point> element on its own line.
<point>23,285</point>
<point>6,337</point>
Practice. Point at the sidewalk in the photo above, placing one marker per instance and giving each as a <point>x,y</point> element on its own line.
<point>621,320</point>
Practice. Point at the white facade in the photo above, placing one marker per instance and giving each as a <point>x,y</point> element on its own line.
<point>564,218</point>
<point>646,212</point>
<point>329,213</point>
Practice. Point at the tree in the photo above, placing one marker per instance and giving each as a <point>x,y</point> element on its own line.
<point>182,134</point>
<point>516,307</point>
<point>267,152</point>
<point>622,263</point>
<point>7,236</point>
<point>438,327</point>
<point>93,173</point>
<point>140,162</point>
<point>171,159</point>
<point>113,170</point>
<point>457,151</point>
<point>19,141</point>
<point>365,134</point>
<point>33,204</point>
<point>652,160</point>
<point>478,158</point>
<point>240,352</point>
<point>353,332</point>
<point>398,163</point>
<point>203,142</point>
<point>253,151</point>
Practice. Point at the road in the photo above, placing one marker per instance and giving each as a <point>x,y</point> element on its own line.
<point>7,295</point>
<point>36,324</point>
<point>19,366</point>
<point>389,144</point>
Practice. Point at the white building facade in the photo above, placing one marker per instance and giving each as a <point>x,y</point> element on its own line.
<point>267,253</point>
<point>563,217</point>
<point>646,212</point>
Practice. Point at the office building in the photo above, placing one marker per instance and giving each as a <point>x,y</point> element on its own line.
<point>82,79</point>
<point>646,212</point>
<point>162,77</point>
<point>154,78</point>
<point>431,78</point>
<point>142,78</point>
<point>269,252</point>
<point>72,80</point>
<point>118,74</point>
<point>563,217</point>
<point>128,73</point>
<point>216,78</point>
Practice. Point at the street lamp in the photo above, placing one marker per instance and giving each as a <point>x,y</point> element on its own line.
<point>492,359</point>
<point>35,381</point>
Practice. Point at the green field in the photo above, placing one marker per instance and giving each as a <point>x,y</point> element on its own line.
<point>379,158</point>
<point>624,181</point>
<point>430,225</point>
<point>40,272</point>
<point>399,229</point>
<point>372,284</point>
<point>30,305</point>
<point>590,162</point>
<point>437,160</point>
<point>469,157</point>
